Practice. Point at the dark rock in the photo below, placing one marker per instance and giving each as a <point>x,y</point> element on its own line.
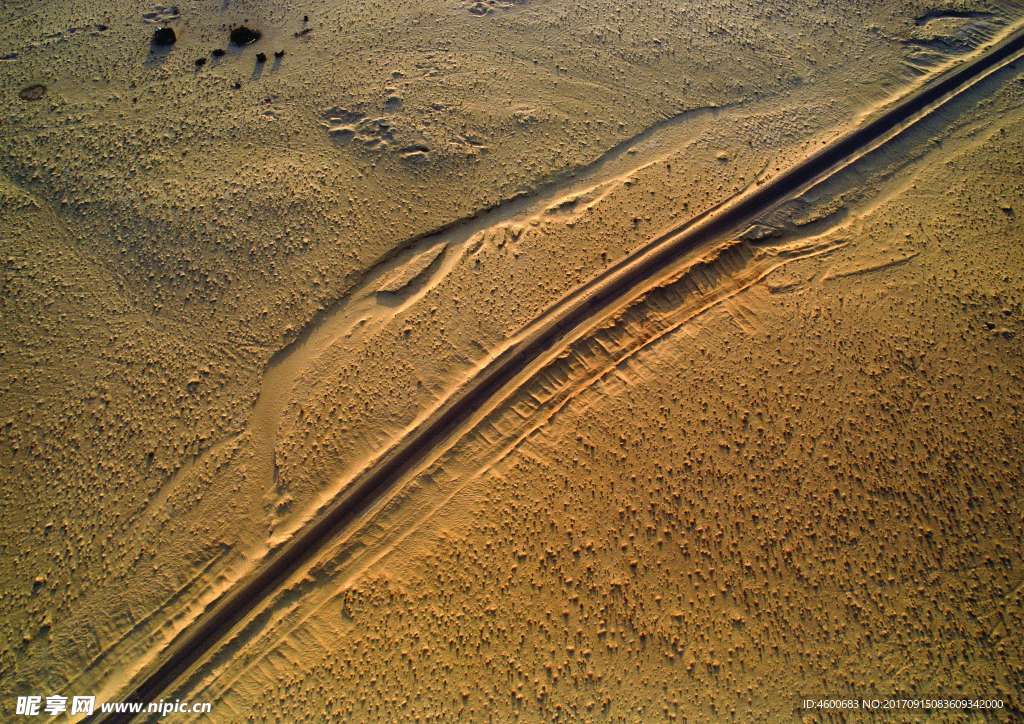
<point>200,62</point>
<point>164,37</point>
<point>32,92</point>
<point>261,57</point>
<point>242,36</point>
<point>218,53</point>
<point>278,53</point>
<point>237,84</point>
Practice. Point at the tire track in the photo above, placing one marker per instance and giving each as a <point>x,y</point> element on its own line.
<point>565,322</point>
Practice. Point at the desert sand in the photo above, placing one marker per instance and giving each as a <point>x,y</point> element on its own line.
<point>787,465</point>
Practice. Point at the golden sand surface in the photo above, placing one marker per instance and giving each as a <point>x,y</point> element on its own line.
<point>789,469</point>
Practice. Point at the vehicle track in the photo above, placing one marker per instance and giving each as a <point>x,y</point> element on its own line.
<point>558,327</point>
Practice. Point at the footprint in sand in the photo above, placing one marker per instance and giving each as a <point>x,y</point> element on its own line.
<point>340,123</point>
<point>486,7</point>
<point>375,134</point>
<point>161,14</point>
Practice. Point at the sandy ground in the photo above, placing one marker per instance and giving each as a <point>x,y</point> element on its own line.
<point>816,493</point>
<point>791,472</point>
